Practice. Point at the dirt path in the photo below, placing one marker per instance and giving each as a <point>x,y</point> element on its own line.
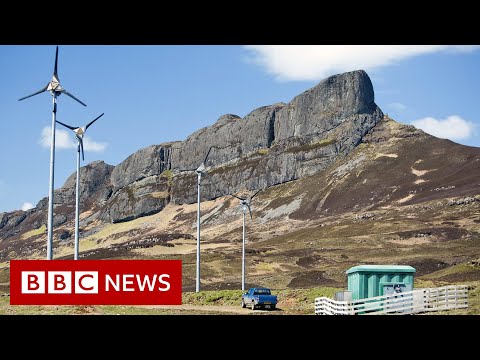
<point>215,309</point>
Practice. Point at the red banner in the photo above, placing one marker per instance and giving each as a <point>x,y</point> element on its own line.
<point>95,282</point>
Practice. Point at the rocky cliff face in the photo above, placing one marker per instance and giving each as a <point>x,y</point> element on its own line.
<point>281,142</point>
<point>271,145</point>
<point>95,190</point>
<point>140,183</point>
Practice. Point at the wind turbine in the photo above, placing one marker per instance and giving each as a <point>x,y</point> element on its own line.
<point>245,203</point>
<point>79,132</point>
<point>200,171</point>
<point>55,89</point>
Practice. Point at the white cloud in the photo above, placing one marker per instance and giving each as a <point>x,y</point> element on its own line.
<point>63,139</point>
<point>66,140</point>
<point>314,62</point>
<point>453,127</point>
<point>27,206</point>
<point>396,106</point>
<point>90,145</point>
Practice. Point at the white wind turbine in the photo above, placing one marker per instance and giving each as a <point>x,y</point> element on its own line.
<point>55,89</point>
<point>201,170</point>
<point>79,133</point>
<point>245,204</point>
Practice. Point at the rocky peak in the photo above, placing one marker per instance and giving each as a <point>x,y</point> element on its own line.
<point>326,105</point>
<point>227,118</point>
<point>271,145</point>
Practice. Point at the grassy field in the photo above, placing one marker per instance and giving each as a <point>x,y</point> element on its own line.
<point>299,301</point>
<point>221,302</point>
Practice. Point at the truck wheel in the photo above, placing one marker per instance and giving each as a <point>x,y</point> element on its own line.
<point>272,307</point>
<point>253,305</point>
<point>243,304</point>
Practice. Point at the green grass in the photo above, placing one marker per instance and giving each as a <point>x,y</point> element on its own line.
<point>167,173</point>
<point>41,230</point>
<point>451,270</point>
<point>291,301</point>
<point>299,301</point>
<point>296,300</point>
<point>217,297</point>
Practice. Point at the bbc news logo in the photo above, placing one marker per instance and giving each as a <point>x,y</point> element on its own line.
<point>95,282</point>
<point>59,282</point>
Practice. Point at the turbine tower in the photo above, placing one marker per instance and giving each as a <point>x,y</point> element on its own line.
<point>201,170</point>
<point>245,204</point>
<point>79,132</point>
<point>55,89</point>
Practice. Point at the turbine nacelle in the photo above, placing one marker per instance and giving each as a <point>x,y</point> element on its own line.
<point>80,132</point>
<point>201,169</point>
<point>54,86</point>
<point>245,203</point>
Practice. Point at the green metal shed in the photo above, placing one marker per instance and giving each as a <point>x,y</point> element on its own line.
<point>366,281</point>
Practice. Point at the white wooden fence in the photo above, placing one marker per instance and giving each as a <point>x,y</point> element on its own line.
<point>416,301</point>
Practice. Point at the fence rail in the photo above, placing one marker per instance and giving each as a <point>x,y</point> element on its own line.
<point>416,301</point>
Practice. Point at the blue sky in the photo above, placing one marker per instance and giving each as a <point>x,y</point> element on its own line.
<point>154,94</point>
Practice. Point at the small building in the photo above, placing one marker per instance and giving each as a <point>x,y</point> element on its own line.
<point>366,281</point>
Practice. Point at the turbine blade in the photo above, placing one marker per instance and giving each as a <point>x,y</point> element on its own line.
<point>186,170</point>
<point>80,140</point>
<point>239,198</point>
<point>35,93</point>
<point>56,61</point>
<point>208,153</point>
<point>250,211</point>
<point>255,194</point>
<point>67,126</point>
<point>73,97</point>
<point>91,122</point>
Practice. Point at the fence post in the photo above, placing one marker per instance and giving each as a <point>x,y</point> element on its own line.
<point>447,290</point>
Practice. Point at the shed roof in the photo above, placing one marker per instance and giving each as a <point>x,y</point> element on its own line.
<point>382,269</point>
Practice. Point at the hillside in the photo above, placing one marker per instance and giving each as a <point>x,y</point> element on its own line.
<point>343,185</point>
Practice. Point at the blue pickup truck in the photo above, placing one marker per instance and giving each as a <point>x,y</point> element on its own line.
<point>259,297</point>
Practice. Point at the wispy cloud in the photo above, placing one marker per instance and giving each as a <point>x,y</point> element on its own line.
<point>453,127</point>
<point>65,140</point>
<point>62,139</point>
<point>396,106</point>
<point>314,62</point>
<point>27,206</point>
<point>90,145</point>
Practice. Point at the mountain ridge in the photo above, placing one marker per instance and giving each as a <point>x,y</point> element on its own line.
<point>340,188</point>
<point>303,136</point>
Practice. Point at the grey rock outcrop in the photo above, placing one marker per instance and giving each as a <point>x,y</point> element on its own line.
<point>231,136</point>
<point>95,186</point>
<point>59,219</point>
<point>149,161</point>
<point>140,198</point>
<point>324,107</point>
<point>141,184</point>
<point>9,222</point>
<point>283,142</point>
<point>3,220</point>
<point>271,145</point>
